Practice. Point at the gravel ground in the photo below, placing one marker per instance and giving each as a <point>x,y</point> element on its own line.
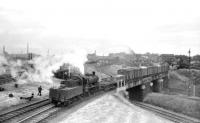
<point>107,109</point>
<point>23,90</point>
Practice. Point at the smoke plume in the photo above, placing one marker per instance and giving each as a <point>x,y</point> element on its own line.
<point>40,69</point>
<point>3,64</point>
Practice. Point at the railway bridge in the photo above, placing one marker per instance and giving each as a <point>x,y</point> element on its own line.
<point>138,81</point>
<point>138,88</point>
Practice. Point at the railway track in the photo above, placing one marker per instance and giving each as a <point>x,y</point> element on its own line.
<point>8,116</point>
<point>44,113</point>
<point>175,117</point>
<point>35,112</point>
<point>6,80</point>
<point>39,114</point>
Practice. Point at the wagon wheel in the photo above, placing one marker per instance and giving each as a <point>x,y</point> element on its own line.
<point>65,103</point>
<point>56,103</point>
<point>88,93</point>
<point>80,97</point>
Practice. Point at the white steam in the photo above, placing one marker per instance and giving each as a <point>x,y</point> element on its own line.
<point>43,66</point>
<point>3,63</point>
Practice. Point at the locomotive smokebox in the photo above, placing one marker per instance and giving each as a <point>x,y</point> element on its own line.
<point>93,73</point>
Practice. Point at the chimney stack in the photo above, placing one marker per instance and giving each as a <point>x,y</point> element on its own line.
<point>3,49</point>
<point>27,48</point>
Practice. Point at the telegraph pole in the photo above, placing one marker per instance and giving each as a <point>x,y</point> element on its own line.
<point>189,82</point>
<point>189,58</point>
<point>191,75</point>
<point>48,52</point>
<point>27,48</point>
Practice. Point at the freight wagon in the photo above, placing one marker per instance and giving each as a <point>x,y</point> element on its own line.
<point>136,73</point>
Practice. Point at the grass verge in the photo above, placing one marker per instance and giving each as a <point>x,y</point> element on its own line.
<point>175,103</point>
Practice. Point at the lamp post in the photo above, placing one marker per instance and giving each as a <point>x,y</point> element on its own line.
<point>191,75</point>
<point>194,88</point>
<point>189,58</point>
<point>189,82</point>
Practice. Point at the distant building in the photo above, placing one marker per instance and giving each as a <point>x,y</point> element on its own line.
<point>23,57</point>
<point>120,55</point>
<point>101,60</point>
<point>92,57</point>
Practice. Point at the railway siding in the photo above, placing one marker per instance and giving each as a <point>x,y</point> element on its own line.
<point>180,118</point>
<point>175,117</point>
<point>16,107</point>
<point>20,110</point>
<point>38,115</point>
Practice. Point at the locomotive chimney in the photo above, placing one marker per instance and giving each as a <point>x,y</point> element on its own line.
<point>93,73</point>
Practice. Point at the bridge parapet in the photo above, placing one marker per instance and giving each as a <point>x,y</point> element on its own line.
<point>140,81</point>
<point>135,82</point>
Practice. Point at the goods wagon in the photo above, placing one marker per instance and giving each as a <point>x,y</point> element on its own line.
<point>124,72</point>
<point>144,71</point>
<point>135,73</point>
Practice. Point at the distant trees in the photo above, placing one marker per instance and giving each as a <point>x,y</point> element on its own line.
<point>196,62</point>
<point>183,61</point>
<point>148,59</point>
<point>196,58</point>
<point>168,58</point>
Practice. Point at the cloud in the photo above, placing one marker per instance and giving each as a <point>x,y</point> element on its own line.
<point>144,26</point>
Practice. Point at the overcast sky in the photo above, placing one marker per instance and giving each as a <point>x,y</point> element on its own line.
<point>170,26</point>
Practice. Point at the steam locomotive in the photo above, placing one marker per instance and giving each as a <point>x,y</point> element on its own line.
<point>77,86</point>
